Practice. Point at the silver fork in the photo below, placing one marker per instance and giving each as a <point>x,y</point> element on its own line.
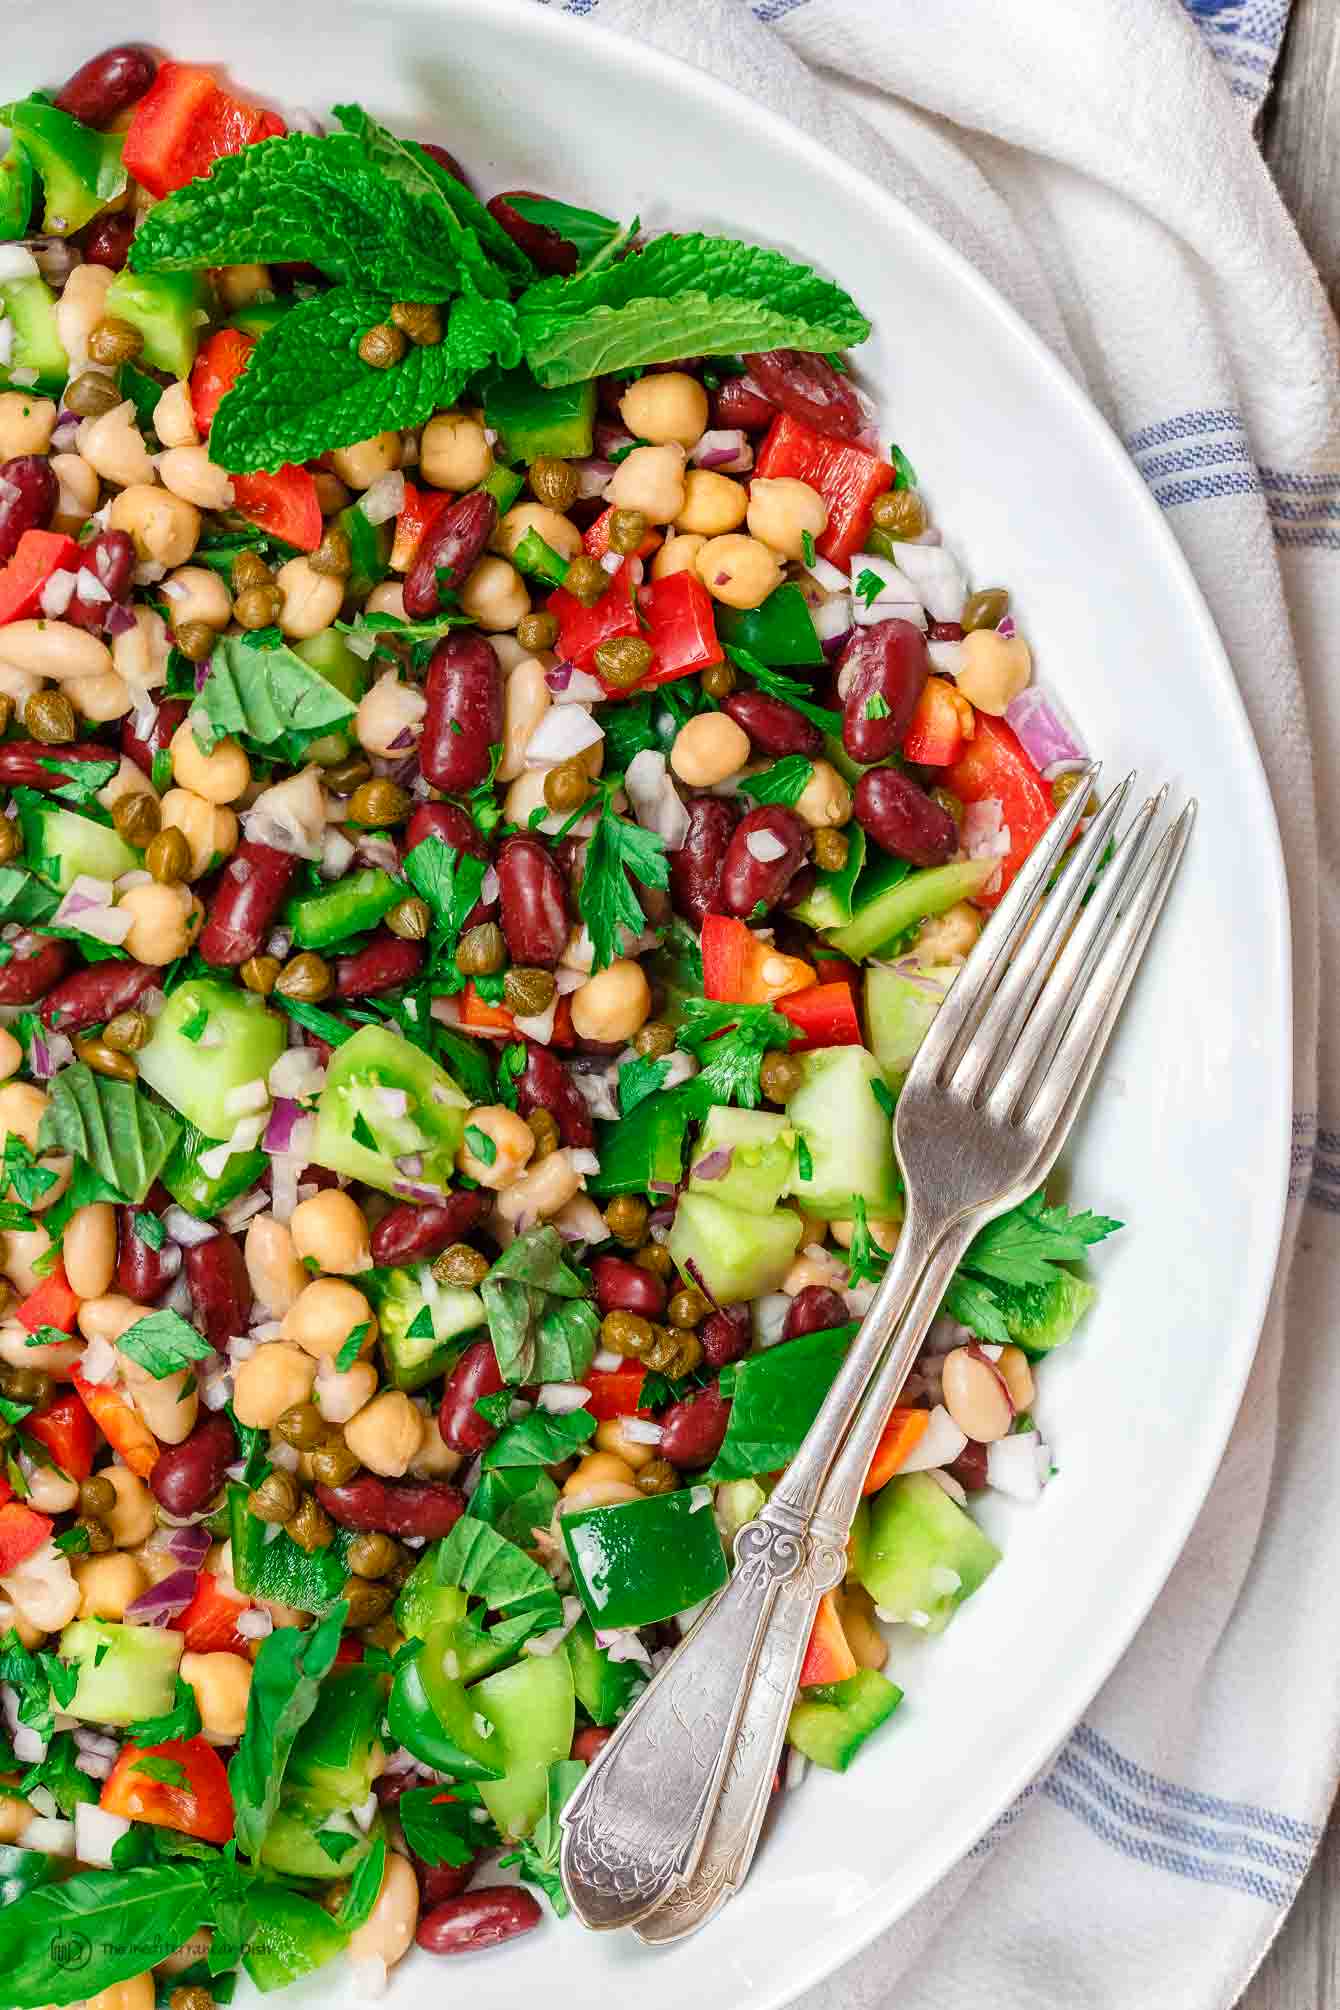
<point>981,1118</point>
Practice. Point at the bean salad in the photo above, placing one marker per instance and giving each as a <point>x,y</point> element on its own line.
<point>500,769</point>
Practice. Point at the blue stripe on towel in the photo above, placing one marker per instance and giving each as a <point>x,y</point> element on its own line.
<point>1177,1828</point>
<point>1160,1856</point>
<point>1244,1813</point>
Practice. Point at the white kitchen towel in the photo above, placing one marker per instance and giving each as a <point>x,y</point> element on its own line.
<point>1095,159</point>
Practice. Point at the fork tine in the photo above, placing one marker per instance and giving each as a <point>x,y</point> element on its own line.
<point>1028,968</point>
<point>1070,1069</point>
<point>971,989</point>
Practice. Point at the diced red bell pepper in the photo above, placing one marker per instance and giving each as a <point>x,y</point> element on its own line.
<point>824,1016</point>
<point>124,1429</point>
<point>828,1658</point>
<point>596,537</point>
<point>37,555</point>
<point>217,367</point>
<point>6,1491</point>
<point>419,511</point>
<point>285,504</point>
<point>902,1434</point>
<point>740,969</point>
<point>68,1432</point>
<point>349,1653</point>
<point>615,1394</point>
<point>941,727</point>
<point>481,1017</point>
<point>22,1532</point>
<point>994,767</point>
<point>581,630</point>
<point>848,477</point>
<point>184,123</point>
<point>680,628</point>
<point>202,1806</point>
<point>210,1620</point>
<point>52,1304</point>
<point>563,1035</point>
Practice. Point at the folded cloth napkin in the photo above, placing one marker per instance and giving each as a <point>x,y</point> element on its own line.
<point>1095,160</point>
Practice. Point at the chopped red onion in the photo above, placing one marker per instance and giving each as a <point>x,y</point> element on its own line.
<point>255,1623</point>
<point>279,1131</point>
<point>939,1444</point>
<point>918,976</point>
<point>564,732</point>
<point>593,475</point>
<point>1044,731</point>
<point>558,1398</point>
<point>714,1165</point>
<point>120,620</point>
<point>411,1164</point>
<point>558,675</point>
<point>610,438</point>
<point>186,1229</point>
<point>1019,1465</point>
<point>164,1600</point>
<point>612,560</point>
<point>763,846</point>
<point>1007,626</point>
<point>57,593</point>
<point>17,262</point>
<point>99,1362</point>
<point>190,1546</point>
<point>726,450</point>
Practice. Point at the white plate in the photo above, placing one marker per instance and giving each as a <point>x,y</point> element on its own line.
<point>1187,1133</point>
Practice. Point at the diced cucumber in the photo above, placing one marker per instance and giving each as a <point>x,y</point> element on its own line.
<point>290,1935</point>
<point>832,1720</point>
<point>359,1126</point>
<point>604,1688</point>
<point>761,1147</point>
<point>925,1555</point>
<point>913,899</point>
<point>338,1752</point>
<point>16,191</point>
<point>198,1078</point>
<point>900,1005</point>
<point>1043,1316</point>
<point>194,1189</point>
<point>59,845</point>
<point>410,1301</point>
<point>732,1254</point>
<point>848,1135</point>
<point>504,485</point>
<point>168,309</point>
<point>29,306</point>
<point>829,904</point>
<point>532,421</point>
<point>293,1842</point>
<point>126,1673</point>
<point>80,168</point>
<point>737,1502</point>
<point>329,652</point>
<point>258,317</point>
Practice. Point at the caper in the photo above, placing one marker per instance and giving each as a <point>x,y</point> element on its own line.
<point>544,1129</point>
<point>105,1060</point>
<point>1065,786</point>
<point>553,482</point>
<point>91,395</point>
<point>382,347</point>
<point>48,716</point>
<point>250,569</point>
<point>537,631</point>
<point>780,1077</point>
<point>367,1602</point>
<point>623,660</point>
<point>481,950</point>
<point>97,1495</point>
<point>302,1426</point>
<point>332,1461</point>
<point>372,1555</point>
<point>655,1257</point>
<point>585,579</point>
<point>344,777</point>
<point>384,1632</point>
<point>718,680</point>
<point>626,1219</point>
<point>830,850</point>
<point>258,607</point>
<point>167,856</point>
<point>334,556</point>
<point>567,786</point>
<point>194,640</point>
<point>11,839</point>
<point>25,1385</point>
<point>901,512</point>
<point>127,1032</point>
<point>379,804</point>
<point>311,1527</point>
<point>986,608</point>
<point>112,341</point>
<point>305,977</point>
<point>950,804</point>
<point>100,1538</point>
<point>260,974</point>
<point>654,1039</point>
<point>137,818</point>
<point>459,1264</point>
<point>679,1351</point>
<point>190,1997</point>
<point>658,1476</point>
<point>627,1333</point>
<point>688,1307</point>
<point>420,320</point>
<point>411,920</point>
<point>277,1498</point>
<point>628,527</point>
<point>527,991</point>
<point>6,711</point>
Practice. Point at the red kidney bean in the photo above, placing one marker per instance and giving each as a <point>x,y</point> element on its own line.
<point>725,1335</point>
<point>885,666</point>
<point>483,1918</point>
<point>38,962</point>
<point>545,1084</point>
<point>773,726</point>
<point>547,248</point>
<point>735,402</point>
<point>588,1744</point>
<point>746,881</point>
<point>945,631</point>
<point>250,893</point>
<point>534,902</point>
<point>384,965</point>
<point>459,1422</point>
<point>627,1287</point>
<point>440,1881</point>
<point>446,160</point>
<point>453,825</point>
<point>106,84</point>
<point>187,1476</point>
<point>220,1288</point>
<point>141,750</point>
<point>800,888</point>
<point>23,761</point>
<point>464,692</point>
<point>108,240</point>
<point>695,869</point>
<point>110,557</point>
<point>969,1468</point>
<point>92,996</point>
<point>448,552</point>
<point>814,1310</point>
<point>902,819</point>
<point>141,1272</point>
<point>411,1234</point>
<point>692,1431</point>
<point>809,389</point>
<point>29,493</point>
<point>410,1507</point>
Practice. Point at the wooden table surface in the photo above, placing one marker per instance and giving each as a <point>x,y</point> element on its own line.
<point>1301,136</point>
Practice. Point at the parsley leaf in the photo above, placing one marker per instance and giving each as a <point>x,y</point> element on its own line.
<point>785,782</point>
<point>421,1325</point>
<point>877,706</point>
<point>162,1342</point>
<point>154,1766</point>
<point>731,1041</point>
<point>192,1028</point>
<point>450,882</point>
<point>362,1133</point>
<point>807,547</point>
<point>868,586</point>
<point>776,684</point>
<point>904,474</point>
<point>867,1261</point>
<point>348,1353</point>
<point>1025,1245</point>
<point>605,900</point>
<point>438,1828</point>
<point>974,1304</point>
<point>181,1721</point>
<point>511,1066</point>
<point>640,1078</point>
<point>883,1095</point>
<point>804,1160</point>
<point>481,1144</point>
<point>537,1859</point>
<point>20,1170</point>
<point>59,1773</point>
<point>81,780</point>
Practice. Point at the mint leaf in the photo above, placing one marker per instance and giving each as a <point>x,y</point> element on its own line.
<point>605,900</point>
<point>148,1229</point>
<point>537,1858</point>
<point>268,696</point>
<point>495,1409</point>
<point>867,1262</point>
<point>162,1342</point>
<point>416,170</point>
<point>125,1139</point>
<point>80,780</point>
<point>681,296</point>
<point>586,228</point>
<point>785,782</point>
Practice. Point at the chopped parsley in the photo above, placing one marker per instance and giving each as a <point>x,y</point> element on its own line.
<point>481,1144</point>
<point>731,1041</point>
<point>605,899</point>
<point>868,587</point>
<point>877,706</point>
<point>348,1353</point>
<point>807,547</point>
<point>785,782</point>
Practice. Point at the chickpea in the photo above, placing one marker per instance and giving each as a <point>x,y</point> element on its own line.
<point>136,1994</point>
<point>169,1405</point>
<point>221,1684</point>
<point>82,304</point>
<point>11,1055</point>
<point>434,1460</point>
<point>513,1143</point>
<point>825,801</point>
<point>311,599</point>
<point>949,935</point>
<point>612,1005</point>
<point>525,795</point>
<point>612,1436</point>
<point>884,1234</point>
<point>650,479</point>
<point>194,593</point>
<point>51,1491</point>
<point>165,921</point>
<point>219,776</point>
<point>99,699</point>
<point>78,491</point>
<point>89,1249</point>
<point>325,1314</point>
<point>678,554</point>
<point>669,406</point>
<point>559,531</point>
<point>542,1191</point>
<point>331,494</point>
<point>333,1228</point>
<point>599,1494</point>
<point>526,699</point>
<point>708,749</point>
<point>164,528</point>
<point>822,1269</point>
<point>107,1584</point>
<point>22,1107</point>
<point>174,417</point>
<point>270,1381</point>
<point>26,424</point>
<point>16,1815</point>
<point>783,510</point>
<point>738,571</point>
<point>713,504</point>
<point>595,1468</point>
<point>210,830</point>
<point>140,654</point>
<point>53,649</point>
<point>993,669</point>
<point>238,285</point>
<point>23,1247</point>
<point>453,452</point>
<point>341,1395</point>
<point>277,1277</point>
<point>114,447</point>
<point>385,1434</point>
<point>388,598</point>
<point>495,594</point>
<point>385,712</point>
<point>388,1931</point>
<point>190,473</point>
<point>366,463</point>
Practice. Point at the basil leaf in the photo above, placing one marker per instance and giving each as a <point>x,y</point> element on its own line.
<point>67,1941</point>
<point>515,1500</point>
<point>541,1320</point>
<point>776,1398</point>
<point>541,1439</point>
<point>364,1887</point>
<point>267,695</point>
<point>285,1687</point>
<point>123,1137</point>
<point>479,1561</point>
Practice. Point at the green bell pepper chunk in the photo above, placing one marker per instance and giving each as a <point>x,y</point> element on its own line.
<point>200,1193</point>
<point>532,421</point>
<point>338,1752</point>
<point>369,551</point>
<point>539,560</point>
<point>504,485</point>
<point>16,191</point>
<point>780,632</point>
<point>280,1569</point>
<point>424,1603</point>
<point>431,1714</point>
<point>291,1936</point>
<point>645,1560</point>
<point>347,908</point>
<point>604,1688</point>
<point>81,169</point>
<point>295,1842</point>
<point>644,1151</point>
